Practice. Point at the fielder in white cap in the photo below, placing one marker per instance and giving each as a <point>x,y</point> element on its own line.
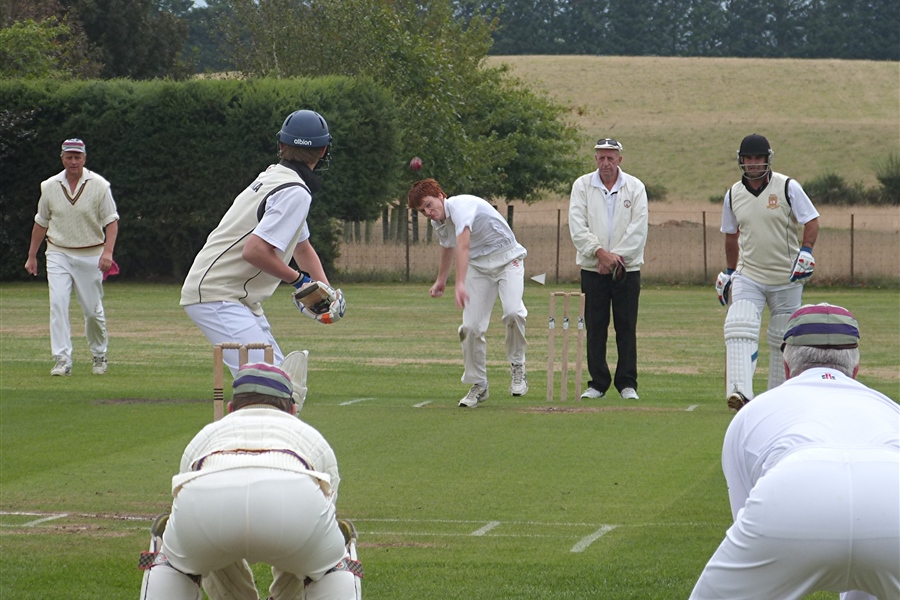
<point>77,216</point>
<point>257,486</point>
<point>813,473</point>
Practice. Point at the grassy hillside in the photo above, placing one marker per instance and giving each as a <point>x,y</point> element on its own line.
<point>681,119</point>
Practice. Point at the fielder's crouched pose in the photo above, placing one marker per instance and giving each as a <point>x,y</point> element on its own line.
<point>813,473</point>
<point>489,261</point>
<point>259,485</point>
<point>767,260</point>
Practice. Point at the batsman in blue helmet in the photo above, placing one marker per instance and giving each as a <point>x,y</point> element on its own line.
<point>247,255</point>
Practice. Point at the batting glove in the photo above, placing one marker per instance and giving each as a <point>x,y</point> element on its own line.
<point>803,265</point>
<point>320,302</point>
<point>723,286</point>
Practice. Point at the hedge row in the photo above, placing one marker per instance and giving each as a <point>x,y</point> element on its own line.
<point>177,154</point>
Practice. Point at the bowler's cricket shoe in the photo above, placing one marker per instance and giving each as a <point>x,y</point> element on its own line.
<point>61,369</point>
<point>477,393</point>
<point>519,384</point>
<point>99,366</point>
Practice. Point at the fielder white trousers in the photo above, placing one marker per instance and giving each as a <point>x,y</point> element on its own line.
<point>224,521</point>
<point>65,272</point>
<point>487,277</point>
<point>233,322</point>
<point>821,519</point>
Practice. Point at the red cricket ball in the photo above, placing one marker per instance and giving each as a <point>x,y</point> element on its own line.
<point>416,163</point>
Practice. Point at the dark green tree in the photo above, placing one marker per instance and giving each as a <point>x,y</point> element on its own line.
<point>137,39</point>
<point>471,124</point>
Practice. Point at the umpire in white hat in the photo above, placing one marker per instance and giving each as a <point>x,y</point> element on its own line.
<point>813,473</point>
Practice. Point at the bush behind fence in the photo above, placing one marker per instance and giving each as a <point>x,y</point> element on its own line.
<point>683,246</point>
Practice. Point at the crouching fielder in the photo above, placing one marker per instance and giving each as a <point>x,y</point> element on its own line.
<point>258,485</point>
<point>813,473</point>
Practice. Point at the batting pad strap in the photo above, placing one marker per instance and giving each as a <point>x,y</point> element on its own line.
<point>347,564</point>
<point>149,560</point>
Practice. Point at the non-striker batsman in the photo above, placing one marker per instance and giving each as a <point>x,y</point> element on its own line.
<point>770,228</point>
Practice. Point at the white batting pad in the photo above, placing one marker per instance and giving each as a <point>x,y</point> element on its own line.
<point>295,365</point>
<point>775,333</point>
<point>741,347</point>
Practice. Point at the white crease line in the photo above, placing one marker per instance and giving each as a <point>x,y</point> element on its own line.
<point>692,407</point>
<point>486,528</point>
<point>44,520</point>
<point>587,541</point>
<point>421,404</point>
<point>349,402</point>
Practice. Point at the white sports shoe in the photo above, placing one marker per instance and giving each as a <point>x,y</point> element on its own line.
<point>99,366</point>
<point>629,394</point>
<point>61,368</point>
<point>591,393</point>
<point>519,384</point>
<point>477,393</point>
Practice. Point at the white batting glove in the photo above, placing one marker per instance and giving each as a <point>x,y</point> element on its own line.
<point>336,309</point>
<point>803,265</point>
<point>723,286</point>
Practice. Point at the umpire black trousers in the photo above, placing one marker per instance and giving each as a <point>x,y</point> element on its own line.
<point>602,295</point>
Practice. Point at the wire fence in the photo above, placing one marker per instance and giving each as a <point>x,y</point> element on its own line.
<point>855,246</point>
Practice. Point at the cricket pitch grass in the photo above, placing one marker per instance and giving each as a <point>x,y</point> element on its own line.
<point>518,499</point>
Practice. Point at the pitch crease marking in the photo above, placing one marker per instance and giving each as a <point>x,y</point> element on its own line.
<point>584,542</point>
<point>486,528</point>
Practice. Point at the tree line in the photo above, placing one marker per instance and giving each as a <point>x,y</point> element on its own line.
<point>840,29</point>
<point>146,39</point>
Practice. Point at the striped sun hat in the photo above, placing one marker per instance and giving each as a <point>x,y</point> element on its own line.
<point>262,378</point>
<point>822,326</point>
<point>73,145</point>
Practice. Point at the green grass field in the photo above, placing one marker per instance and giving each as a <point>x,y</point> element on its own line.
<point>516,499</point>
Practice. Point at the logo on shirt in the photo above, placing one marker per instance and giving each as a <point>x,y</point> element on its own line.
<point>773,202</point>
<point>627,203</point>
<point>828,376</point>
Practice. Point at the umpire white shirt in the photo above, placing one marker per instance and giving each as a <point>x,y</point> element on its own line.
<point>813,473</point>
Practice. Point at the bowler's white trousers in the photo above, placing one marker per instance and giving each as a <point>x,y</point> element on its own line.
<point>822,519</point>
<point>486,276</point>
<point>65,271</point>
<point>222,521</point>
<point>233,322</point>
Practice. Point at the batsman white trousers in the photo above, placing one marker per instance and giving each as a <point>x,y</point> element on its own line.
<point>821,519</point>
<point>222,521</point>
<point>233,322</point>
<point>82,273</point>
<point>487,276</point>
<point>782,300</point>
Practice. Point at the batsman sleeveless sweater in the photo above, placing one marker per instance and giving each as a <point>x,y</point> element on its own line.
<point>769,231</point>
<point>219,272</point>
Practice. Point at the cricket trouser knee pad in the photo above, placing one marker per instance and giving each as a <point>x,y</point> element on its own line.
<point>775,333</point>
<point>741,347</point>
<point>161,580</point>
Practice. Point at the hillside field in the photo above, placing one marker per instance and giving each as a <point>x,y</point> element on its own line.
<point>681,120</point>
